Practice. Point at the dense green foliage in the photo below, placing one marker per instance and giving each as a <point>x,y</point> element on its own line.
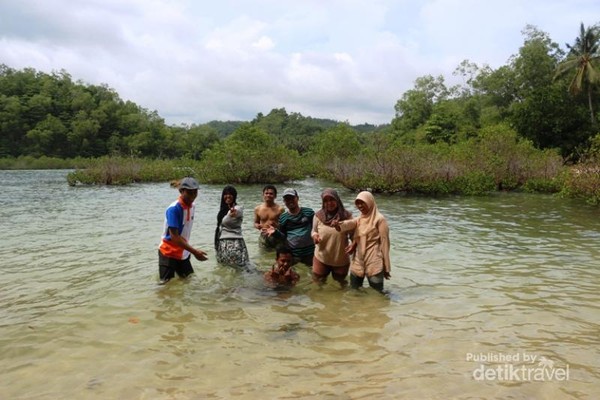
<point>583,59</point>
<point>249,155</point>
<point>126,170</point>
<point>495,159</point>
<point>43,162</point>
<point>583,182</point>
<point>50,115</point>
<point>502,129</point>
<point>526,94</point>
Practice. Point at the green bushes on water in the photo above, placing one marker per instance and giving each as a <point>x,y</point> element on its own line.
<point>123,170</point>
<point>496,159</point>
<point>583,181</point>
<point>246,156</point>
<point>250,155</point>
<point>43,162</point>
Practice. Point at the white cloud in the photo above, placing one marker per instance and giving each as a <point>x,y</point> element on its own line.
<point>341,59</point>
<point>264,43</point>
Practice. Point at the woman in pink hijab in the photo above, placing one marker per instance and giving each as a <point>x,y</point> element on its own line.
<point>371,245</point>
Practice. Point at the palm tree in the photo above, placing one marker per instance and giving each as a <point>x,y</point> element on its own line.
<point>584,58</point>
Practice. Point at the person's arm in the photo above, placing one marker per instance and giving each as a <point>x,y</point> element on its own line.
<point>384,243</point>
<point>315,231</point>
<point>268,277</point>
<point>294,277</point>
<point>181,242</point>
<point>237,212</point>
<point>348,225</point>
<point>280,232</point>
<point>257,223</point>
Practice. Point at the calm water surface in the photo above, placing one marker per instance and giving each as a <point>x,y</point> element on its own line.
<point>480,287</point>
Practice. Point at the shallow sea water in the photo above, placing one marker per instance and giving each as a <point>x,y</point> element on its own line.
<point>480,287</point>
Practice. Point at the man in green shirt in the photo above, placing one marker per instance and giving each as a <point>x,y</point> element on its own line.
<point>295,226</point>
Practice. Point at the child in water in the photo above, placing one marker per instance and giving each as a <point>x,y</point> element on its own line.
<point>282,275</point>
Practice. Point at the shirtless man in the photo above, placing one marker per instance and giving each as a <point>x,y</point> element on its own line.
<point>266,215</point>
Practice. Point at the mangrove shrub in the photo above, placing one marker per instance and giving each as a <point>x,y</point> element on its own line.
<point>250,155</point>
<point>496,159</point>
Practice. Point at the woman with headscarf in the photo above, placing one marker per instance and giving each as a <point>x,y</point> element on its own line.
<point>371,244</point>
<point>229,242</point>
<point>330,244</point>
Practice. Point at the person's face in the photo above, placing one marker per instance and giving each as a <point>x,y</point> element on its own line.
<point>189,195</point>
<point>269,196</point>
<point>228,199</point>
<point>362,207</point>
<point>330,204</point>
<point>284,261</point>
<point>291,202</point>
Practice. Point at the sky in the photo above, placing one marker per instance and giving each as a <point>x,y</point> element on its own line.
<point>195,61</point>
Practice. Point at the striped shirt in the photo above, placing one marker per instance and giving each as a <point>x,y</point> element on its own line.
<point>297,229</point>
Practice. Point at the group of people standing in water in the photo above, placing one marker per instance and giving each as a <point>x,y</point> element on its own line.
<point>331,241</point>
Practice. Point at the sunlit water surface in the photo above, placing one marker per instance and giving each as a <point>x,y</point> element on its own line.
<point>478,284</point>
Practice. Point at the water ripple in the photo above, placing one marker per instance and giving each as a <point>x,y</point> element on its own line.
<point>509,274</point>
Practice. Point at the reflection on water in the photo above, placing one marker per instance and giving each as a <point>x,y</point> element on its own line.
<point>82,316</point>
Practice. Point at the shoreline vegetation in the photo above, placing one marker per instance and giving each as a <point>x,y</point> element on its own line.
<point>434,171</point>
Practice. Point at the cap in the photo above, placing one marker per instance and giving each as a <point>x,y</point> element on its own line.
<point>188,183</point>
<point>290,192</point>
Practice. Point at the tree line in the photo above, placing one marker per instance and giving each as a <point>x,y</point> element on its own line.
<point>49,114</point>
<point>546,94</point>
<point>524,118</point>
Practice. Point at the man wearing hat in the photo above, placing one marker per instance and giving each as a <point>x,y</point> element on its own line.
<point>295,225</point>
<point>174,250</point>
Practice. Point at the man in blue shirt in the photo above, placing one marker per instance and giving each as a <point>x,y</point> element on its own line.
<point>175,250</point>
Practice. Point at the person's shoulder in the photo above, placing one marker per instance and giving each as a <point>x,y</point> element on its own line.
<point>307,211</point>
<point>174,207</point>
<point>295,278</point>
<point>275,207</point>
<point>283,217</point>
<point>382,222</point>
<point>268,279</point>
<point>174,203</point>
